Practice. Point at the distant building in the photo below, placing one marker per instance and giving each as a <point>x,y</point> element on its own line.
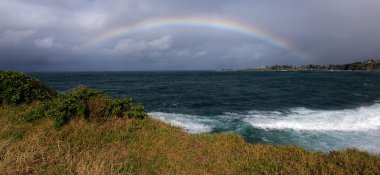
<point>368,61</point>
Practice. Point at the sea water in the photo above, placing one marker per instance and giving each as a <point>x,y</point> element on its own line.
<point>321,111</point>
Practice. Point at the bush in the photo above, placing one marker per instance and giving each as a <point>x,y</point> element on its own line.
<point>122,107</point>
<point>70,104</point>
<point>136,111</point>
<point>37,113</point>
<point>116,107</point>
<point>86,103</point>
<point>17,88</point>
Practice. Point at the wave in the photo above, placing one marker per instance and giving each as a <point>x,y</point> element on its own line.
<point>302,119</point>
<point>361,119</point>
<point>324,130</point>
<point>191,123</point>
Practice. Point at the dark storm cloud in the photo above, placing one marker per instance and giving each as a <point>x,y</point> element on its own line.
<point>45,34</point>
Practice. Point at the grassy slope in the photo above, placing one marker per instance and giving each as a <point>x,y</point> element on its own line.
<point>134,146</point>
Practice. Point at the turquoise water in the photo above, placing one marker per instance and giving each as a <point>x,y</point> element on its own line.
<point>317,110</point>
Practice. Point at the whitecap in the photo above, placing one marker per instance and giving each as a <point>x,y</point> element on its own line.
<point>191,123</point>
<point>361,119</point>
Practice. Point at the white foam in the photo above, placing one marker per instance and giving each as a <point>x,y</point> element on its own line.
<point>191,123</point>
<point>359,120</point>
<point>314,129</point>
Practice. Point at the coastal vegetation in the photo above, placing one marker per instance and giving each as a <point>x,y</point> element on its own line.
<point>85,103</point>
<point>369,65</point>
<point>17,88</point>
<point>83,131</point>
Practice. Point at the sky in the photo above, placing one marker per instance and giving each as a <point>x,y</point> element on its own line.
<point>56,35</point>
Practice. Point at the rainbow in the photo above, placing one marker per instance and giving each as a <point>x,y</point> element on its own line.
<point>214,23</point>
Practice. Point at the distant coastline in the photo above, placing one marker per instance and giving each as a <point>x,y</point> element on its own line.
<point>368,65</point>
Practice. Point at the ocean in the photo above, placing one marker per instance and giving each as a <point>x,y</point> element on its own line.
<point>320,111</point>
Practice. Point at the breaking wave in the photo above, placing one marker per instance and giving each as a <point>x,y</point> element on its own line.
<point>191,123</point>
<point>314,129</point>
<point>360,119</point>
<point>300,119</point>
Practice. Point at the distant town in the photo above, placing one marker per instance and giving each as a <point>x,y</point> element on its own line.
<point>368,65</point>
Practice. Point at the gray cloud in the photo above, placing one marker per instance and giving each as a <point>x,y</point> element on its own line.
<point>48,43</point>
<point>44,34</point>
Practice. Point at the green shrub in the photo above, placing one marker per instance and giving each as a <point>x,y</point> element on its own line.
<point>37,113</point>
<point>116,107</point>
<point>70,104</point>
<point>136,111</point>
<point>86,103</point>
<point>122,107</point>
<point>17,88</point>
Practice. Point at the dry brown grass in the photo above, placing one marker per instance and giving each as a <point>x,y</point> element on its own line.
<point>133,146</point>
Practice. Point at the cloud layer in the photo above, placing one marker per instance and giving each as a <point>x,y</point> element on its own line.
<point>43,35</point>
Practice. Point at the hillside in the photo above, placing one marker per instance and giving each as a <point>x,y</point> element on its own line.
<point>120,139</point>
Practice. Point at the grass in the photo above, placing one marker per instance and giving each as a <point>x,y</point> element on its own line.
<point>123,145</point>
